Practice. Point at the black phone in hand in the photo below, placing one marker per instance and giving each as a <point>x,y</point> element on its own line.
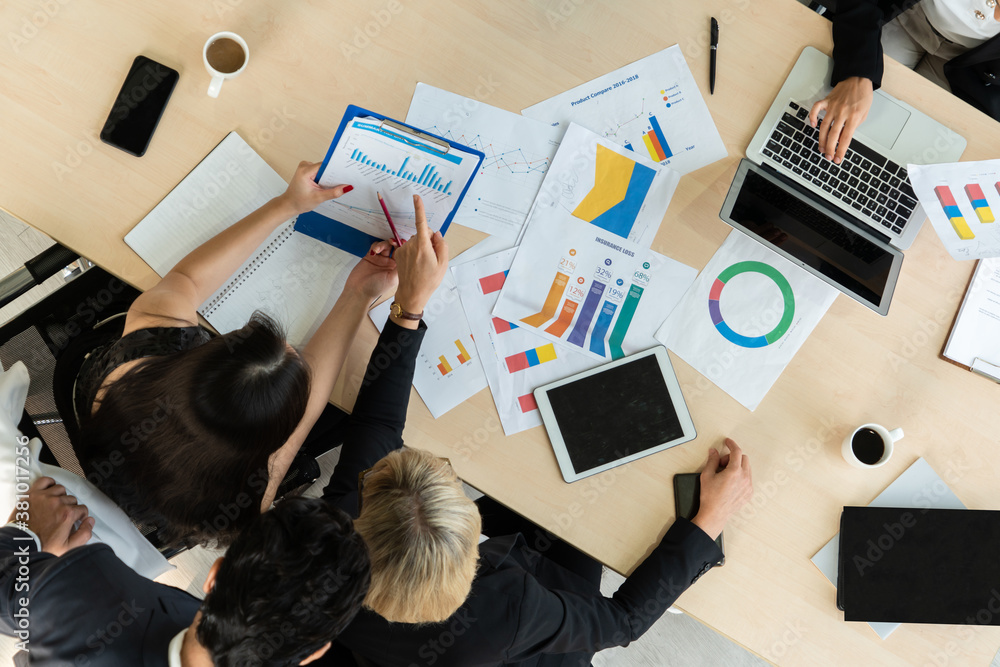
<point>687,498</point>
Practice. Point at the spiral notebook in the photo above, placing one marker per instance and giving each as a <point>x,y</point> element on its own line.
<point>291,277</point>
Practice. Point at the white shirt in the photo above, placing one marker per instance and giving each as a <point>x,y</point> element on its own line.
<point>174,649</point>
<point>956,20</point>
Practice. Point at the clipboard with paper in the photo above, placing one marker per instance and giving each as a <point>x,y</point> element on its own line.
<point>377,154</point>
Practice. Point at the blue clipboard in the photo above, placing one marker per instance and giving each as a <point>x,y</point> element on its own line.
<point>348,238</point>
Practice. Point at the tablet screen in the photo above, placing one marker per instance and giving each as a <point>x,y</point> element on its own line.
<point>616,413</point>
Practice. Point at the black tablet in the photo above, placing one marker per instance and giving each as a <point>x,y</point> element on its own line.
<point>614,414</point>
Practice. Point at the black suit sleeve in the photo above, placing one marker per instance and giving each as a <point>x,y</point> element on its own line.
<point>558,622</point>
<point>375,427</point>
<point>18,550</point>
<point>857,41</point>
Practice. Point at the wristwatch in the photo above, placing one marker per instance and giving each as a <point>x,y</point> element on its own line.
<point>397,311</point>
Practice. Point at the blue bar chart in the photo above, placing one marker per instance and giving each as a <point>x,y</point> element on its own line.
<point>428,176</point>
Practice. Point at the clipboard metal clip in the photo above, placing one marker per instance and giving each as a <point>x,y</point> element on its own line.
<point>438,145</point>
<point>988,370</point>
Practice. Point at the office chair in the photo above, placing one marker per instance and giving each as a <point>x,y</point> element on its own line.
<point>54,336</point>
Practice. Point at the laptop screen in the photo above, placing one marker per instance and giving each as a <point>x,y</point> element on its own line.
<point>811,236</point>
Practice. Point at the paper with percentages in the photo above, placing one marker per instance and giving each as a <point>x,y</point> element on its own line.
<point>745,317</point>
<point>962,200</point>
<point>583,276</point>
<point>652,107</point>
<point>515,359</point>
<point>518,153</point>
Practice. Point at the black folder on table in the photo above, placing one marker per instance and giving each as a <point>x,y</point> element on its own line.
<point>919,566</point>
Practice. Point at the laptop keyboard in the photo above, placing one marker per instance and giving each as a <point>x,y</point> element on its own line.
<point>876,188</point>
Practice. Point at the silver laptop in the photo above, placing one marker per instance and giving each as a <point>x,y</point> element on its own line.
<point>845,223</point>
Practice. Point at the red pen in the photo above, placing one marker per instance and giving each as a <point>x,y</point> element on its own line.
<point>395,234</point>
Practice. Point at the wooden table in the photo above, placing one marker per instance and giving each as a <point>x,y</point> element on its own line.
<point>63,62</point>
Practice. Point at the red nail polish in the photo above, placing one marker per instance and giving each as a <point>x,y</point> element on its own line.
<point>348,188</point>
<point>371,252</point>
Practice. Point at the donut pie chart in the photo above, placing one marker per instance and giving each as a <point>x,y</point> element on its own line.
<point>786,292</point>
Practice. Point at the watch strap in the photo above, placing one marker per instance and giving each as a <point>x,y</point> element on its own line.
<point>397,311</point>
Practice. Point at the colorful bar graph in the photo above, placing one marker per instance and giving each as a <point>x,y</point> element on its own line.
<point>551,302</point>
<point>558,328</point>
<point>979,203</point>
<point>463,354</point>
<point>624,320</point>
<point>502,326</point>
<point>954,213</point>
<point>527,403</point>
<point>491,284</point>
<point>444,366</point>
<point>528,358</point>
<point>601,328</point>
<point>660,139</point>
<point>579,333</point>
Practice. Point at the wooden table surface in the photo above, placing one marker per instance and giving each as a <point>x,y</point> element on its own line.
<point>64,61</point>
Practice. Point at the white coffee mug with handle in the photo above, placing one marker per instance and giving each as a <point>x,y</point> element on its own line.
<point>216,68</point>
<point>888,438</point>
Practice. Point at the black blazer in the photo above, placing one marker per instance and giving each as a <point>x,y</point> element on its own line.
<point>523,609</point>
<point>87,607</point>
<point>857,51</point>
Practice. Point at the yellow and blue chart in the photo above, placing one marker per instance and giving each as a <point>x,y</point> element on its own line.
<point>620,188</point>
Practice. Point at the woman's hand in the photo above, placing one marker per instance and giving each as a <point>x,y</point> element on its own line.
<point>304,194</point>
<point>846,106</point>
<point>375,274</point>
<point>422,262</point>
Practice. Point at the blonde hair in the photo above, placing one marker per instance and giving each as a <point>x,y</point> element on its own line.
<point>422,533</point>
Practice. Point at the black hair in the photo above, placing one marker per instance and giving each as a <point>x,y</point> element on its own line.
<point>181,442</point>
<point>290,583</point>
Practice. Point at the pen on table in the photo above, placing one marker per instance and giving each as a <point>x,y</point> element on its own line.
<point>714,48</point>
<point>388,217</point>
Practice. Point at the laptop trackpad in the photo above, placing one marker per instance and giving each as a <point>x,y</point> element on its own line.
<point>885,121</point>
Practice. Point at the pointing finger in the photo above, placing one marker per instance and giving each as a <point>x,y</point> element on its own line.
<point>423,231</point>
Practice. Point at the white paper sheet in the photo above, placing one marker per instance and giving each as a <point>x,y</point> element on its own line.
<point>962,200</point>
<point>497,340</point>
<point>976,333</point>
<point>918,487</point>
<point>745,317</point>
<point>517,360</point>
<point>448,371</point>
<point>381,160</point>
<point>518,153</point>
<point>652,106</point>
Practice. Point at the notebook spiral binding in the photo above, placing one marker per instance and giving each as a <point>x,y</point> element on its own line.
<point>220,298</point>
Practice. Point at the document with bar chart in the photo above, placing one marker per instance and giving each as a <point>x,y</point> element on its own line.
<point>518,153</point>
<point>583,276</point>
<point>745,317</point>
<point>652,107</point>
<point>448,371</point>
<point>962,200</point>
<point>514,359</point>
<point>615,191</point>
<point>377,157</point>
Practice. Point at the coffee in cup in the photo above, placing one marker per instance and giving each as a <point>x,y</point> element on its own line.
<point>870,445</point>
<point>225,55</point>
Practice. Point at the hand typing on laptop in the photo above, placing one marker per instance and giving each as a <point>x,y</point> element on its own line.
<point>846,108</point>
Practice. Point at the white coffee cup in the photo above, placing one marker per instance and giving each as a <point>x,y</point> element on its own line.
<point>867,444</point>
<point>219,76</point>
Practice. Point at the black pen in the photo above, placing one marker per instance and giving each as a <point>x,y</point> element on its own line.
<point>715,47</point>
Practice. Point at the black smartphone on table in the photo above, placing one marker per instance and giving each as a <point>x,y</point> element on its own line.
<point>687,498</point>
<point>139,106</point>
